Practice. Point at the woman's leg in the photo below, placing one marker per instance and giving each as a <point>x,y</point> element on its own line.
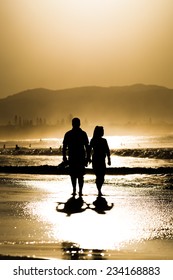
<point>80,182</point>
<point>99,182</point>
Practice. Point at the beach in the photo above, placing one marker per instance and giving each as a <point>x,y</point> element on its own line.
<point>138,226</point>
<point>132,221</point>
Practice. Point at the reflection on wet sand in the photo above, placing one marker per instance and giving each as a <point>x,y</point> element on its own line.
<point>72,205</point>
<point>73,251</point>
<point>101,205</point>
<point>77,205</point>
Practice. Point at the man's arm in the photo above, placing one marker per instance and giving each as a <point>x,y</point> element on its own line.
<point>64,149</point>
<point>87,148</point>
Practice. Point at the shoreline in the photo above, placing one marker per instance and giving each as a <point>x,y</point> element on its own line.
<point>56,170</point>
<point>11,257</point>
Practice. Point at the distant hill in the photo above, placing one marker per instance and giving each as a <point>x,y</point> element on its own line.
<point>138,103</point>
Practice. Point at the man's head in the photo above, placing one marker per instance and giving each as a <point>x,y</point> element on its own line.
<point>75,122</point>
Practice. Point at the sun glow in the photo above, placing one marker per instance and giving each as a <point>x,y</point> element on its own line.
<point>68,43</point>
<point>88,230</point>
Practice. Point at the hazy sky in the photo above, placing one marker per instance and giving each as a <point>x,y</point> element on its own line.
<point>68,43</point>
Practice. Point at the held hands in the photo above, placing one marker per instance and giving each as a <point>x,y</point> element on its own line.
<point>87,161</point>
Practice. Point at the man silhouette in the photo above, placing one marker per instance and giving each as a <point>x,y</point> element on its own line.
<point>76,145</point>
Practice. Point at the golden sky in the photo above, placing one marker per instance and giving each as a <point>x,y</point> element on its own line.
<point>67,43</point>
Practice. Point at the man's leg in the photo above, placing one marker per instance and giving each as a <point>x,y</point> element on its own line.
<point>73,181</point>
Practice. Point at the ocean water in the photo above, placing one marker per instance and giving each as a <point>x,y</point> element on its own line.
<point>127,151</point>
<point>138,222</point>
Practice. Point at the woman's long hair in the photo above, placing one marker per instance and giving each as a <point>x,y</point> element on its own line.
<point>98,132</point>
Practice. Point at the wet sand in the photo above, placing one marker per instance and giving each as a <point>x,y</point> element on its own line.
<point>153,250</point>
<point>138,226</point>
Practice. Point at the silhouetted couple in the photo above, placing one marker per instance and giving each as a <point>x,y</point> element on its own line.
<point>78,152</point>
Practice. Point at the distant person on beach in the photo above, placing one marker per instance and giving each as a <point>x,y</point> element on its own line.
<point>17,147</point>
<point>76,145</point>
<point>99,150</point>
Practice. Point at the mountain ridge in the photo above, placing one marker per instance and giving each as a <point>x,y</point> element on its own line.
<point>137,85</point>
<point>117,104</point>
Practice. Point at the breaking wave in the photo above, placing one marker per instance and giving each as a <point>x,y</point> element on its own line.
<point>154,153</point>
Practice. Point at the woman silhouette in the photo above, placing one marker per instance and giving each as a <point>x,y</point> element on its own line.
<point>100,150</point>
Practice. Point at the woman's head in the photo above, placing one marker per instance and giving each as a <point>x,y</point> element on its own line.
<point>98,131</point>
